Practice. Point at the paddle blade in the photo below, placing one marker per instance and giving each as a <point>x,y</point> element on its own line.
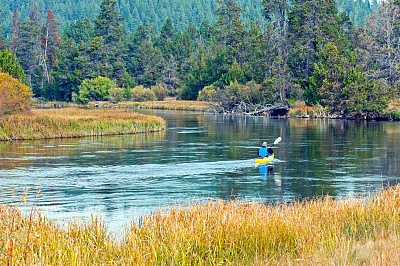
<point>277,140</point>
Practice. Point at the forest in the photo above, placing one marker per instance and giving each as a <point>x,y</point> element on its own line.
<point>342,59</point>
<point>156,12</point>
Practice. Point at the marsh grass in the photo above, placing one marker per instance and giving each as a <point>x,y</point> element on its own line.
<point>303,111</point>
<point>163,105</point>
<point>74,122</point>
<point>319,231</point>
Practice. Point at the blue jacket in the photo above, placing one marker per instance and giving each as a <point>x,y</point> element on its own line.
<point>262,152</point>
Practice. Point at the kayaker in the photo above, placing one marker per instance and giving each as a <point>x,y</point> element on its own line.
<point>263,151</point>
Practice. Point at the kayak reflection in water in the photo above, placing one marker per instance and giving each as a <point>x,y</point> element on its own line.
<point>265,170</point>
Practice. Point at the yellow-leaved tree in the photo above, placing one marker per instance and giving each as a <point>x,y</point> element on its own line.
<point>14,96</point>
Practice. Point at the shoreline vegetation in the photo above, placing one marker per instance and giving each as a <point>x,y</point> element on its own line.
<point>298,109</point>
<point>317,231</point>
<point>74,122</point>
<point>182,105</point>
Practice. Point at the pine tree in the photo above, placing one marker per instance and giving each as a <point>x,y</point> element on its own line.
<point>312,24</point>
<point>28,48</point>
<point>80,31</point>
<point>150,65</point>
<point>342,87</point>
<point>229,22</point>
<point>164,41</point>
<point>108,26</point>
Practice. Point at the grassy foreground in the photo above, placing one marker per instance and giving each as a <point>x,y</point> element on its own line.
<point>321,231</point>
<point>74,122</point>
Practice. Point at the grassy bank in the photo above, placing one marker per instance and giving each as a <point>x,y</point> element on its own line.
<point>164,105</point>
<point>73,122</point>
<point>322,231</point>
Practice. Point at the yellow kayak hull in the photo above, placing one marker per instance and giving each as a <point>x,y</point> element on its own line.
<point>264,160</point>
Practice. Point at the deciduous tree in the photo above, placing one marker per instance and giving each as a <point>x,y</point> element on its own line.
<point>14,95</point>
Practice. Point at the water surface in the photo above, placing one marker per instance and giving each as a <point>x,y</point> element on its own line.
<point>199,157</point>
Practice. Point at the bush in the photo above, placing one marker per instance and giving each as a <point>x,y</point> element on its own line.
<point>14,96</point>
<point>96,89</point>
<point>82,98</point>
<point>142,94</point>
<point>160,91</point>
<point>208,94</point>
<point>251,92</point>
<point>116,95</point>
<point>8,64</point>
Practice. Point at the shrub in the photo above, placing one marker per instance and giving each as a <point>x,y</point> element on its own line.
<point>14,96</point>
<point>116,95</point>
<point>96,89</point>
<point>251,92</point>
<point>160,91</point>
<point>82,98</point>
<point>142,94</point>
<point>8,64</point>
<point>208,94</point>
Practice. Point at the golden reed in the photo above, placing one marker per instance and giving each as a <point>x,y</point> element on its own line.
<point>74,122</point>
<point>362,231</point>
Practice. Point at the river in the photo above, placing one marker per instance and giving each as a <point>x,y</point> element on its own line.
<point>199,157</point>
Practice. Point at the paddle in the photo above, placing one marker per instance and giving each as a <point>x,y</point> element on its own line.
<point>276,141</point>
<point>270,151</point>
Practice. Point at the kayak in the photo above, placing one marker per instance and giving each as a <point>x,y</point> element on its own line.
<point>264,159</point>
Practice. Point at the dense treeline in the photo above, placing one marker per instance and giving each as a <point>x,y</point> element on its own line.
<point>307,51</point>
<point>156,12</point>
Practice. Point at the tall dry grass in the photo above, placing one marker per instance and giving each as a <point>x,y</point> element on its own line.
<point>303,111</point>
<point>321,231</point>
<point>74,122</point>
<point>163,105</point>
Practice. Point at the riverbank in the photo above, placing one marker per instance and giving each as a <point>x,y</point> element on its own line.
<point>320,231</point>
<point>74,122</point>
<point>391,113</point>
<point>161,105</point>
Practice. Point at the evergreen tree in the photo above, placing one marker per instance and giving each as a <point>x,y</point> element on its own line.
<point>312,24</point>
<point>67,75</point>
<point>164,41</point>
<point>228,28</point>
<point>80,31</point>
<point>28,48</point>
<point>149,66</point>
<point>108,26</point>
<point>133,45</point>
<point>343,88</point>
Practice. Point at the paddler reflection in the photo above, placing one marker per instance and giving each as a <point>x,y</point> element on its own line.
<point>265,170</point>
<point>267,173</point>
